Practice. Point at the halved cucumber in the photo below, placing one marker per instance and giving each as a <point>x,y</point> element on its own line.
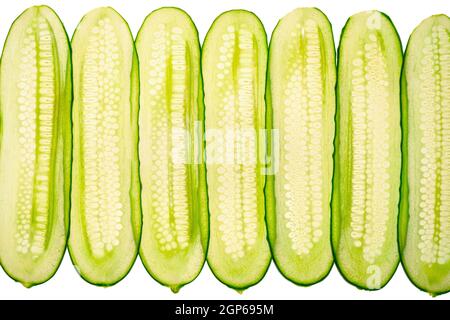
<point>424,225</point>
<point>234,60</point>
<point>368,157</point>
<point>174,203</point>
<point>35,151</point>
<point>302,78</point>
<point>105,216</point>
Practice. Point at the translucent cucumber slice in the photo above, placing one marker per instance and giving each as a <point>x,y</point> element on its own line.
<point>368,157</point>
<point>35,147</point>
<point>234,61</point>
<point>174,200</point>
<point>302,79</point>
<point>105,214</point>
<point>424,228</point>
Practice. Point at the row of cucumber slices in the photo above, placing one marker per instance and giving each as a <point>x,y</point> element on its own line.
<point>292,158</point>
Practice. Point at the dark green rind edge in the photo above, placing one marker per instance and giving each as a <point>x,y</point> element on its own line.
<point>336,167</point>
<point>134,103</point>
<point>67,166</point>
<point>270,179</point>
<point>204,219</point>
<point>239,289</point>
<point>403,216</point>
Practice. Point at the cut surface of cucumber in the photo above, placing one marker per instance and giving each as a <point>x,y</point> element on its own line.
<point>368,158</point>
<point>105,213</point>
<point>424,224</point>
<point>234,60</point>
<point>174,201</point>
<point>35,101</point>
<point>301,107</point>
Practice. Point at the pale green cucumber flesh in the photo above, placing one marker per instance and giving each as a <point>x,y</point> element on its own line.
<point>174,204</point>
<point>424,225</point>
<point>234,60</point>
<point>302,75</point>
<point>105,212</point>
<point>35,146</point>
<point>366,180</point>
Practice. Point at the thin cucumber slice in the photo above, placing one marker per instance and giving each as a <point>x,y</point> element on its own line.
<point>368,156</point>
<point>174,203</point>
<point>105,215</point>
<point>424,227</point>
<point>234,58</point>
<point>302,73</point>
<point>35,150</point>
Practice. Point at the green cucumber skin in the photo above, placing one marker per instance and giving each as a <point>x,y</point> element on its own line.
<point>266,259</point>
<point>404,215</point>
<point>65,96</point>
<point>200,209</point>
<point>335,219</point>
<point>135,218</point>
<point>297,278</point>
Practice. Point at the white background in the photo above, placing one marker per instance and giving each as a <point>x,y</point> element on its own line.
<point>405,14</point>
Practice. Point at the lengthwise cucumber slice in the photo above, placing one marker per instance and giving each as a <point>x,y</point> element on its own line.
<point>302,73</point>
<point>105,216</point>
<point>424,225</point>
<point>174,204</point>
<point>368,157</point>
<point>234,60</point>
<point>35,149</point>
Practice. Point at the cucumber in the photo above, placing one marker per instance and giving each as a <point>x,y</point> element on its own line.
<point>174,203</point>
<point>301,107</point>
<point>35,152</point>
<point>424,224</point>
<point>234,58</point>
<point>105,214</point>
<point>366,179</point>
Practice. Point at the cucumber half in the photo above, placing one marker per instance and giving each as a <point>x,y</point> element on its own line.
<point>35,151</point>
<point>368,157</point>
<point>105,214</point>
<point>301,107</point>
<point>174,204</point>
<point>234,60</point>
<point>424,225</point>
